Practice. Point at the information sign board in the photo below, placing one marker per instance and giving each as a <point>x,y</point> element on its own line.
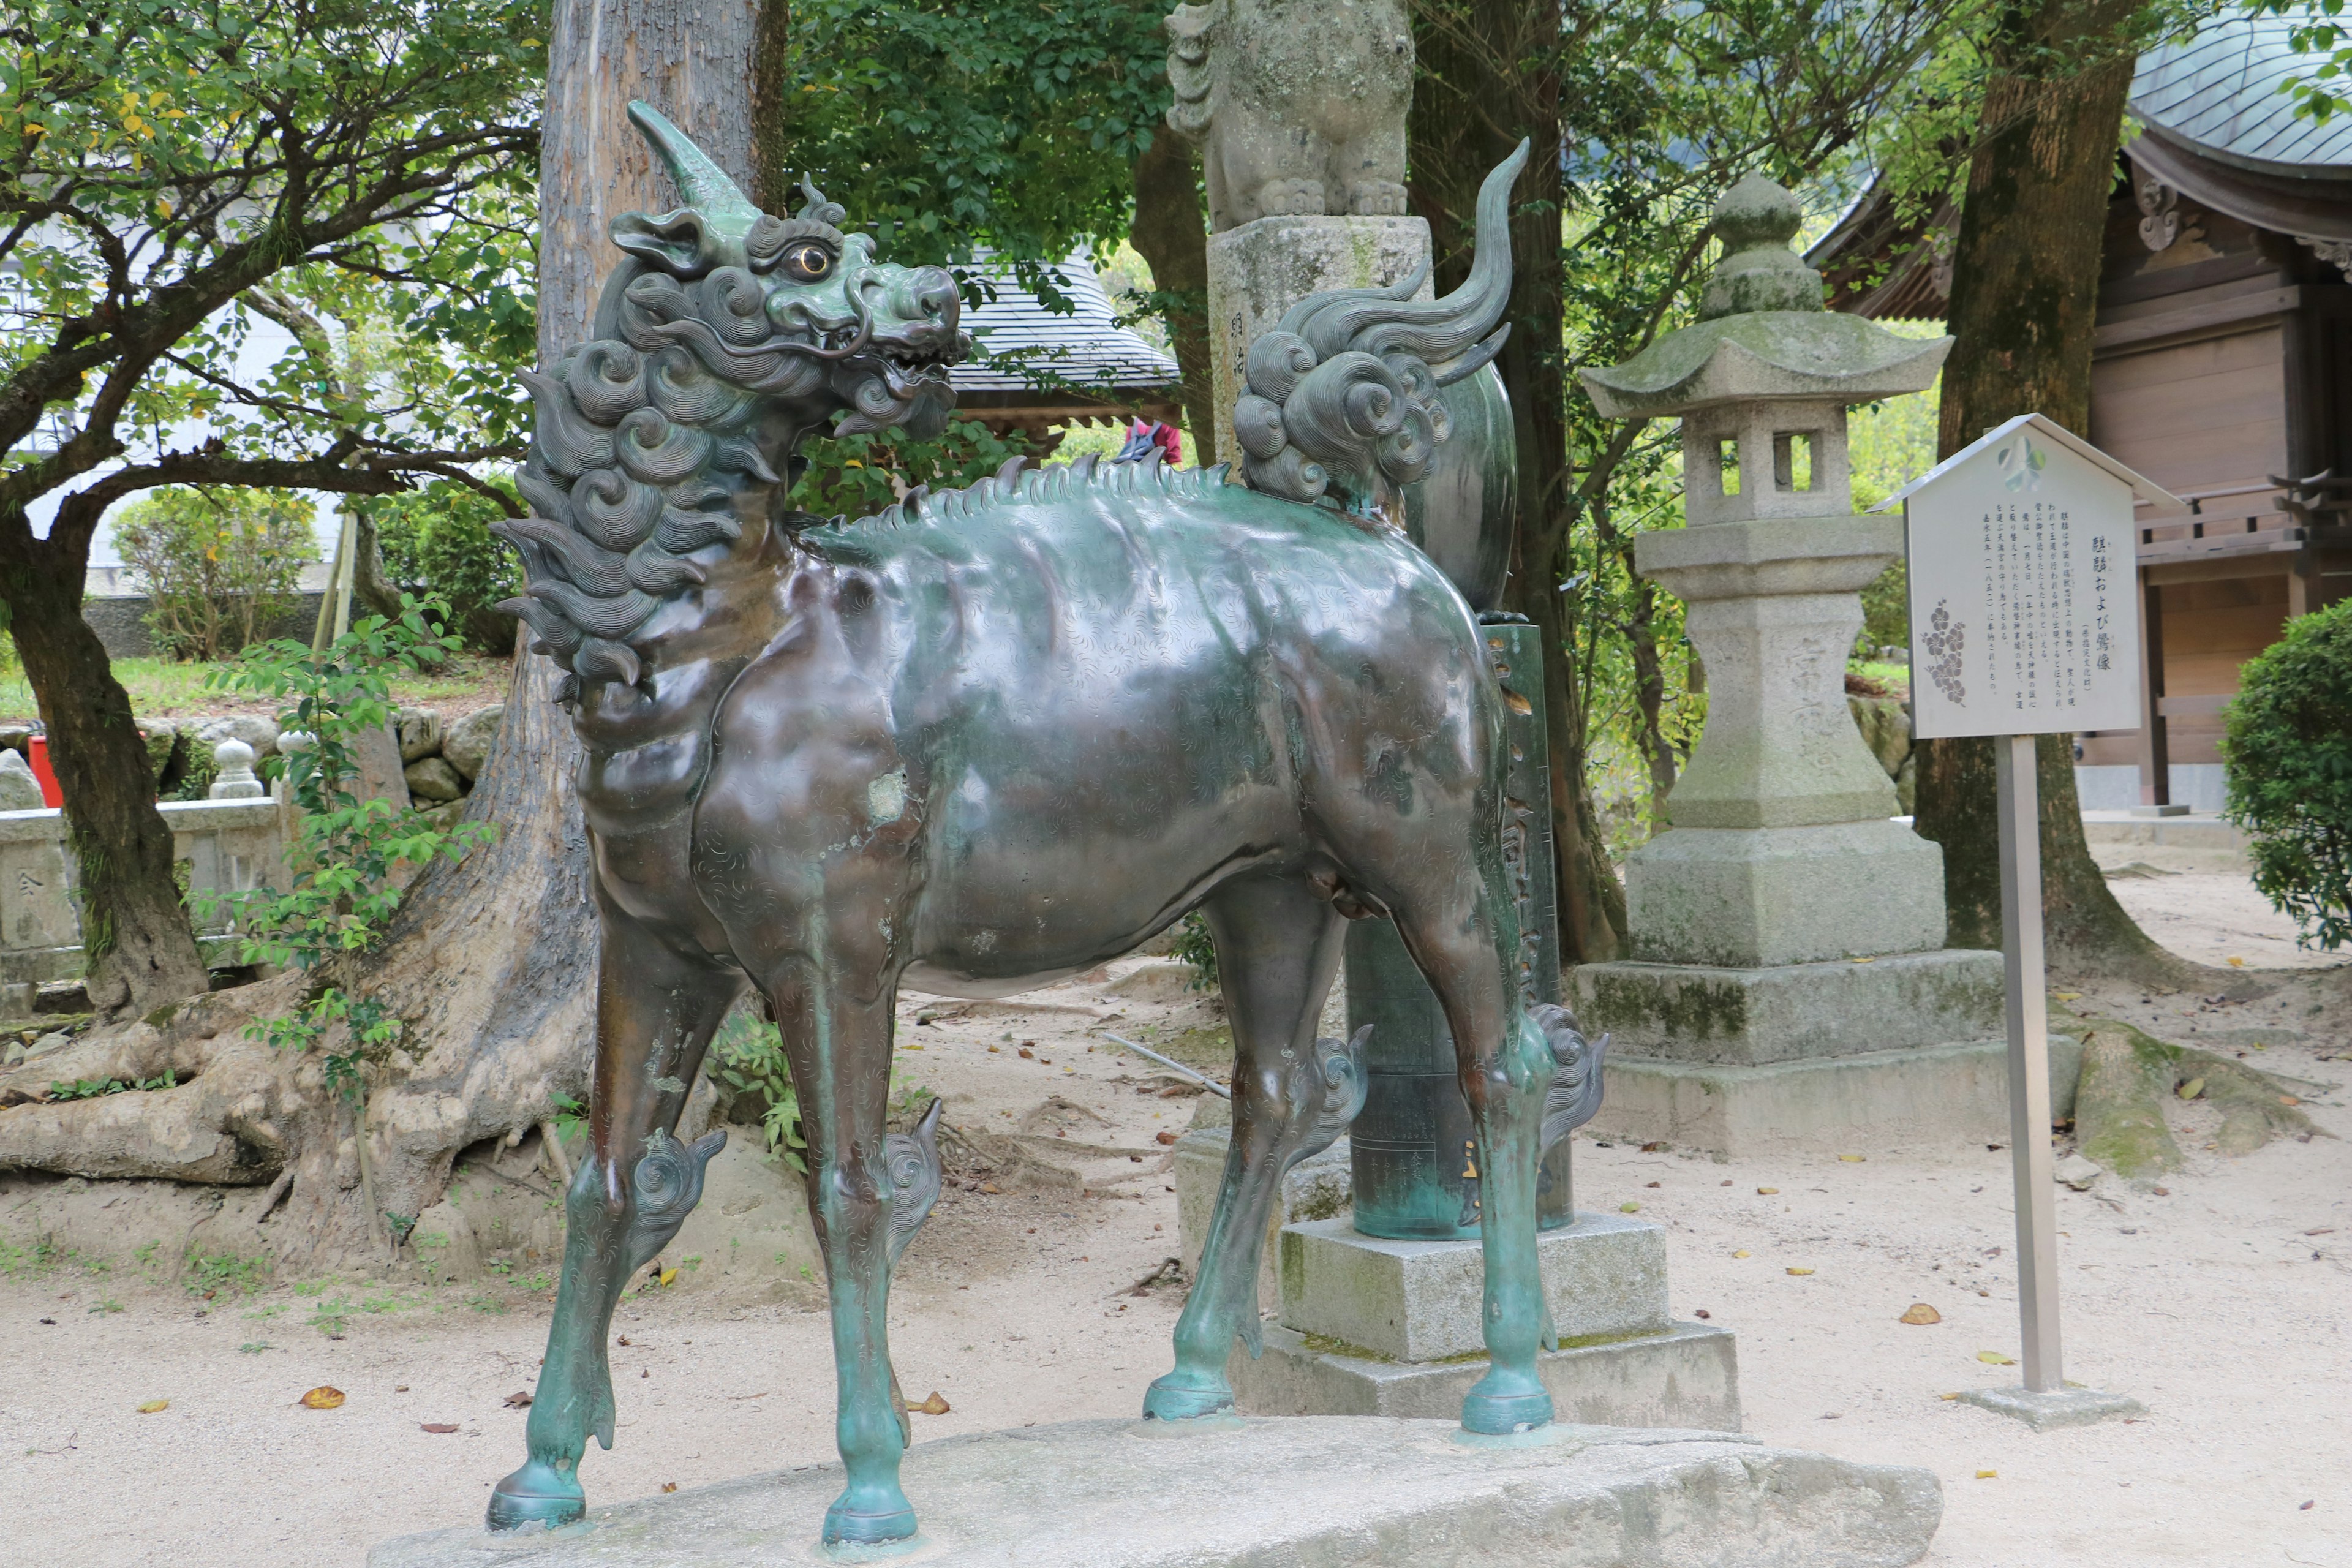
<point>2024,599</point>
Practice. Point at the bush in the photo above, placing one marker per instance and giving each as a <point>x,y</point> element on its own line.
<point>437,541</point>
<point>221,565</point>
<point>857,475</point>
<point>2288,755</point>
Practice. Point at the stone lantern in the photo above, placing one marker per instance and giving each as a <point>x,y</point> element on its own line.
<point>1788,967</point>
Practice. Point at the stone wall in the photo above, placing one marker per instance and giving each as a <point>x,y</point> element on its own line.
<point>121,622</point>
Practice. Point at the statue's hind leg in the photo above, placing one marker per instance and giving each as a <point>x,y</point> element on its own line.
<point>1277,948</point>
<point>1463,937</point>
<point>655,1010</point>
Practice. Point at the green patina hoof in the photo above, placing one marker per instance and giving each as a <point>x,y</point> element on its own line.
<point>538,1494</point>
<point>849,1526</point>
<point>1169,1401</point>
<point>1504,1405</point>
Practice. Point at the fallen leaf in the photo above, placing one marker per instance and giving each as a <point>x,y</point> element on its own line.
<point>625,1339</point>
<point>152,1406</point>
<point>2321,1230</point>
<point>520,1398</point>
<point>1030,1054</point>
<point>1988,1475</point>
<point>400,1388</point>
<point>1726,1181</point>
<point>1742,1253</point>
<point>1800,1271</point>
<point>1768,1192</point>
<point>2289,1099</point>
<point>323,1397</point>
<point>1629,1209</point>
<point>1163,1137</point>
<point>1703,1314</point>
<point>2067,995</point>
<point>1994,1358</point>
<point>990,1187</point>
<point>437,1426</point>
<point>2192,1089</point>
<point>1947,1397</point>
<point>1653,1183</point>
<point>2304,1506</point>
<point>2237,962</point>
<point>1852,1159</point>
<point>995,1050</point>
<point>1866,961</point>
<point>668,1275</point>
<point>934,1406</point>
<point>669,1486</point>
<point>1920,1314</point>
<point>1653,1148</point>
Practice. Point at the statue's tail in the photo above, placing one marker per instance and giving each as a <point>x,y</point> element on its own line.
<point>1343,394</point>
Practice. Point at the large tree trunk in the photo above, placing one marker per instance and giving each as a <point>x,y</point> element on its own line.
<point>1172,238</point>
<point>141,949</point>
<point>2025,284</point>
<point>1486,79</point>
<point>489,963</point>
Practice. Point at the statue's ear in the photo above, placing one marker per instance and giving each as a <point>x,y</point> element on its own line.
<point>679,243</point>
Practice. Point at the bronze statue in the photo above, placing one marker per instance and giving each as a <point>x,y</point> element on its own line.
<point>989,739</point>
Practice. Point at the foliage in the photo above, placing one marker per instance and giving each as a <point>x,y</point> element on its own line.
<point>438,540</point>
<point>220,565</point>
<point>949,125</point>
<point>93,1088</point>
<point>748,1057</point>
<point>341,893</point>
<point>2288,755</point>
<point>857,475</point>
<point>2317,28</point>
<point>1194,946</point>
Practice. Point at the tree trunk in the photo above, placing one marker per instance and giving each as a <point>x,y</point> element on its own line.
<point>489,963</point>
<point>2026,282</point>
<point>141,949</point>
<point>1171,237</point>
<point>1486,79</point>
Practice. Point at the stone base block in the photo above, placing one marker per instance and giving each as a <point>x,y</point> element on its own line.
<point>1377,1494</point>
<point>1687,1373</point>
<point>1939,1094</point>
<point>1750,1017</point>
<point>1604,1275</point>
<point>2059,1407</point>
<point>1787,895</point>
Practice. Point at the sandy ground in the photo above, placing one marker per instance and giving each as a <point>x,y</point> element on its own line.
<point>2220,1302</point>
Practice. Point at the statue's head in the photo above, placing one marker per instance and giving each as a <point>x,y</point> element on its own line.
<point>727,336</point>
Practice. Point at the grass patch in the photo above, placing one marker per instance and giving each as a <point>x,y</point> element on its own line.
<point>167,689</point>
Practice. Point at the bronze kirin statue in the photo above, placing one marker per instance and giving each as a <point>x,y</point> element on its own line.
<point>992,738</point>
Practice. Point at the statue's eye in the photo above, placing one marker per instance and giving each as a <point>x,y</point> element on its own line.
<point>808,261</point>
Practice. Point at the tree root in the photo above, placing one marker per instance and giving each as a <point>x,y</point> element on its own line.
<point>2127,1074</point>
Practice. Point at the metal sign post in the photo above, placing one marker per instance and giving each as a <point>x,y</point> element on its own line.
<point>2024,622</point>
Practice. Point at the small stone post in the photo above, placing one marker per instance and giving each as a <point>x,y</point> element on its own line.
<point>1787,980</point>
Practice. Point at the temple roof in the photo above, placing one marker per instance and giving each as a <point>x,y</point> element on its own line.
<point>2219,93</point>
<point>1015,332</point>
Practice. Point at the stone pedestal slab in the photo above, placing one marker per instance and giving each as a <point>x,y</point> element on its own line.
<point>1604,1277</point>
<point>1372,1493</point>
<point>1786,895</point>
<point>1939,1095</point>
<point>1260,270</point>
<point>1738,1017</point>
<point>2068,1406</point>
<point>1685,1372</point>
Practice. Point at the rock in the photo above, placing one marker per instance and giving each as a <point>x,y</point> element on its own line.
<point>16,737</point>
<point>1376,1492</point>
<point>432,778</point>
<point>1885,729</point>
<point>19,790</point>
<point>420,736</point>
<point>1906,785</point>
<point>468,743</point>
<point>261,734</point>
<point>163,738</point>
<point>2077,1172</point>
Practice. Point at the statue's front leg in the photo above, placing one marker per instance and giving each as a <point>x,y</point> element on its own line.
<point>657,1010</point>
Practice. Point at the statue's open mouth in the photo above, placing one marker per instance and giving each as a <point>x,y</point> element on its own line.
<point>924,349</point>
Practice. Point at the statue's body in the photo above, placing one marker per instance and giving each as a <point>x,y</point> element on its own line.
<point>1299,108</point>
<point>988,739</point>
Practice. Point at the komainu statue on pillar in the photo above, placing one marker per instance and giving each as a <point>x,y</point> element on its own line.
<point>1299,108</point>
<point>986,740</point>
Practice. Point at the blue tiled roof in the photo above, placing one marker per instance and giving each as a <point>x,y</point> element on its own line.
<point>1089,348</point>
<point>2219,92</point>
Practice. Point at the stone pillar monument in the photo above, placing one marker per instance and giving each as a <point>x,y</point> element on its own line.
<point>1788,982</point>
<point>1299,111</point>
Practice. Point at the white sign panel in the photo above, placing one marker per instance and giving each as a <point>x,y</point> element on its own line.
<point>2025,597</point>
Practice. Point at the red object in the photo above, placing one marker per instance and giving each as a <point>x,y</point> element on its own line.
<point>37,751</point>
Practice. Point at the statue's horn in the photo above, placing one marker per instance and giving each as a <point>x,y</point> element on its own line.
<point>702,183</point>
